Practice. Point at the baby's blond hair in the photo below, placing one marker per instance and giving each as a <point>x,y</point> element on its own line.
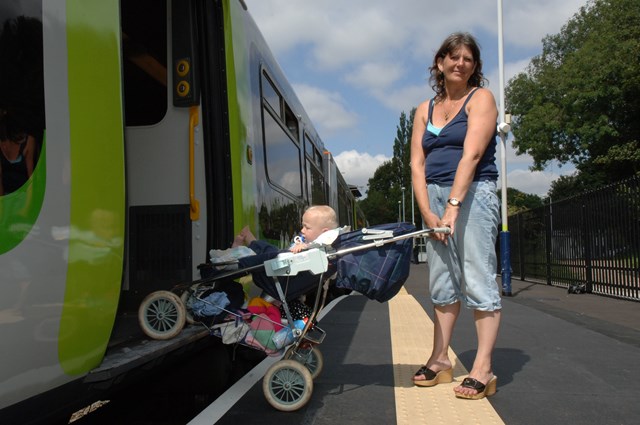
<point>326,215</point>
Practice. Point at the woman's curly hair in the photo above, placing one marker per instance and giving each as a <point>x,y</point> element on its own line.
<point>449,45</point>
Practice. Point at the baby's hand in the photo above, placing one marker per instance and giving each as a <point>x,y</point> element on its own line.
<point>298,247</point>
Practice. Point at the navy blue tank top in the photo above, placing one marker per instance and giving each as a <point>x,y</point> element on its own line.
<point>443,151</point>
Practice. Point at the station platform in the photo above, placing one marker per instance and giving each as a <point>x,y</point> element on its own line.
<point>559,358</point>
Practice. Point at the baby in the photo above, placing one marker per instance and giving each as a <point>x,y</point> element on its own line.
<point>319,225</point>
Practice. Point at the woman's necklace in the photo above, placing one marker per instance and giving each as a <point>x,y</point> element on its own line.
<point>453,105</point>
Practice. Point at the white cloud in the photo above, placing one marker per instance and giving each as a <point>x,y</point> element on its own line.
<point>404,98</point>
<point>526,23</point>
<point>536,182</point>
<point>356,36</point>
<point>359,63</point>
<point>357,168</point>
<point>519,161</point>
<point>327,109</point>
<point>511,69</point>
<point>376,74</point>
<point>342,32</point>
<point>373,44</point>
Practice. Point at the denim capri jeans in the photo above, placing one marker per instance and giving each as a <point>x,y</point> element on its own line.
<point>465,269</point>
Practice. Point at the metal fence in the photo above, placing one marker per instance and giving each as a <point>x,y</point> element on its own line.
<point>590,241</point>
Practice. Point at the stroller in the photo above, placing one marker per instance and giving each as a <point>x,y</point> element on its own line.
<point>373,261</point>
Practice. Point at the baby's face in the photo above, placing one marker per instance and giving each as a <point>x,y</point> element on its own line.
<point>311,226</point>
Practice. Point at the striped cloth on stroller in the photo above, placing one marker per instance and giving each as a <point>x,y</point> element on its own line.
<point>376,270</point>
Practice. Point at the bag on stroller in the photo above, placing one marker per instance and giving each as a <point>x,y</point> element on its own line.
<point>377,272</point>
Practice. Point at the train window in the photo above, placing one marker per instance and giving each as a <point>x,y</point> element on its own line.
<point>22,115</point>
<point>290,120</point>
<point>317,157</point>
<point>282,156</point>
<point>312,152</point>
<point>315,182</point>
<point>316,185</point>
<point>271,95</point>
<point>344,206</point>
<point>308,145</point>
<point>144,44</point>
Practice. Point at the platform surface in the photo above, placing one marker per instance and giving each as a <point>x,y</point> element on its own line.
<point>560,358</point>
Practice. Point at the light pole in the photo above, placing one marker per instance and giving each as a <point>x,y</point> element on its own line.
<point>403,216</point>
<point>399,212</point>
<point>503,130</point>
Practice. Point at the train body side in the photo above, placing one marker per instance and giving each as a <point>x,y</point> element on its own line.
<point>62,272</point>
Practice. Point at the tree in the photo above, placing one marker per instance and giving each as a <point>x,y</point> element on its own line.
<point>385,187</point>
<point>568,186</point>
<point>402,148</point>
<point>380,206</point>
<point>579,100</point>
<point>519,201</point>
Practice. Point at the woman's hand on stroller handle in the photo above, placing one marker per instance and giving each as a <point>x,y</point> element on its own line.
<point>445,230</point>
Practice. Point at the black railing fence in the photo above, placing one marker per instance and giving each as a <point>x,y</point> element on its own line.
<point>589,241</point>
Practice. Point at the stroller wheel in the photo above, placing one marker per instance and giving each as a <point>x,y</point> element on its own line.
<point>161,315</point>
<point>287,385</point>
<point>310,357</point>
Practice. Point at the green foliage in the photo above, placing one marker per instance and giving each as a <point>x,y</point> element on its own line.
<point>402,148</point>
<point>385,187</point>
<point>377,209</point>
<point>579,100</point>
<point>626,155</point>
<point>578,183</point>
<point>518,201</point>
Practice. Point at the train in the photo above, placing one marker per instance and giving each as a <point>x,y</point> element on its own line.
<point>155,130</point>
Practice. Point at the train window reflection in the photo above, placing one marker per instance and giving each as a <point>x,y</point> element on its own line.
<point>282,156</point>
<point>270,94</point>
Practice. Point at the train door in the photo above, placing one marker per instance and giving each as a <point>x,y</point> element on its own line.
<point>168,200</point>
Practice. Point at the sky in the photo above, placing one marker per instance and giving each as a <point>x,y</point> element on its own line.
<point>356,65</point>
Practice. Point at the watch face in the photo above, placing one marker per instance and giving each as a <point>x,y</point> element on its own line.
<point>454,202</point>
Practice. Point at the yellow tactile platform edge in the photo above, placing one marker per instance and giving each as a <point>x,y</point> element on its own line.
<point>411,337</point>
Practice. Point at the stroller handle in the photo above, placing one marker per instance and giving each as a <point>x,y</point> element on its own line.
<point>315,260</point>
<point>380,242</point>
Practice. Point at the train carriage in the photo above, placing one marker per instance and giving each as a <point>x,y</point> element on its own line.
<point>158,129</point>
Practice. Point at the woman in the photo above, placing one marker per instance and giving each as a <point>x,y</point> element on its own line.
<point>454,177</point>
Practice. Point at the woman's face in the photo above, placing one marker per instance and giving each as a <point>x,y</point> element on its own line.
<point>458,65</point>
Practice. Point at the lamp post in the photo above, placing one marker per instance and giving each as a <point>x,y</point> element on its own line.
<point>403,216</point>
<point>503,130</point>
<point>399,212</point>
